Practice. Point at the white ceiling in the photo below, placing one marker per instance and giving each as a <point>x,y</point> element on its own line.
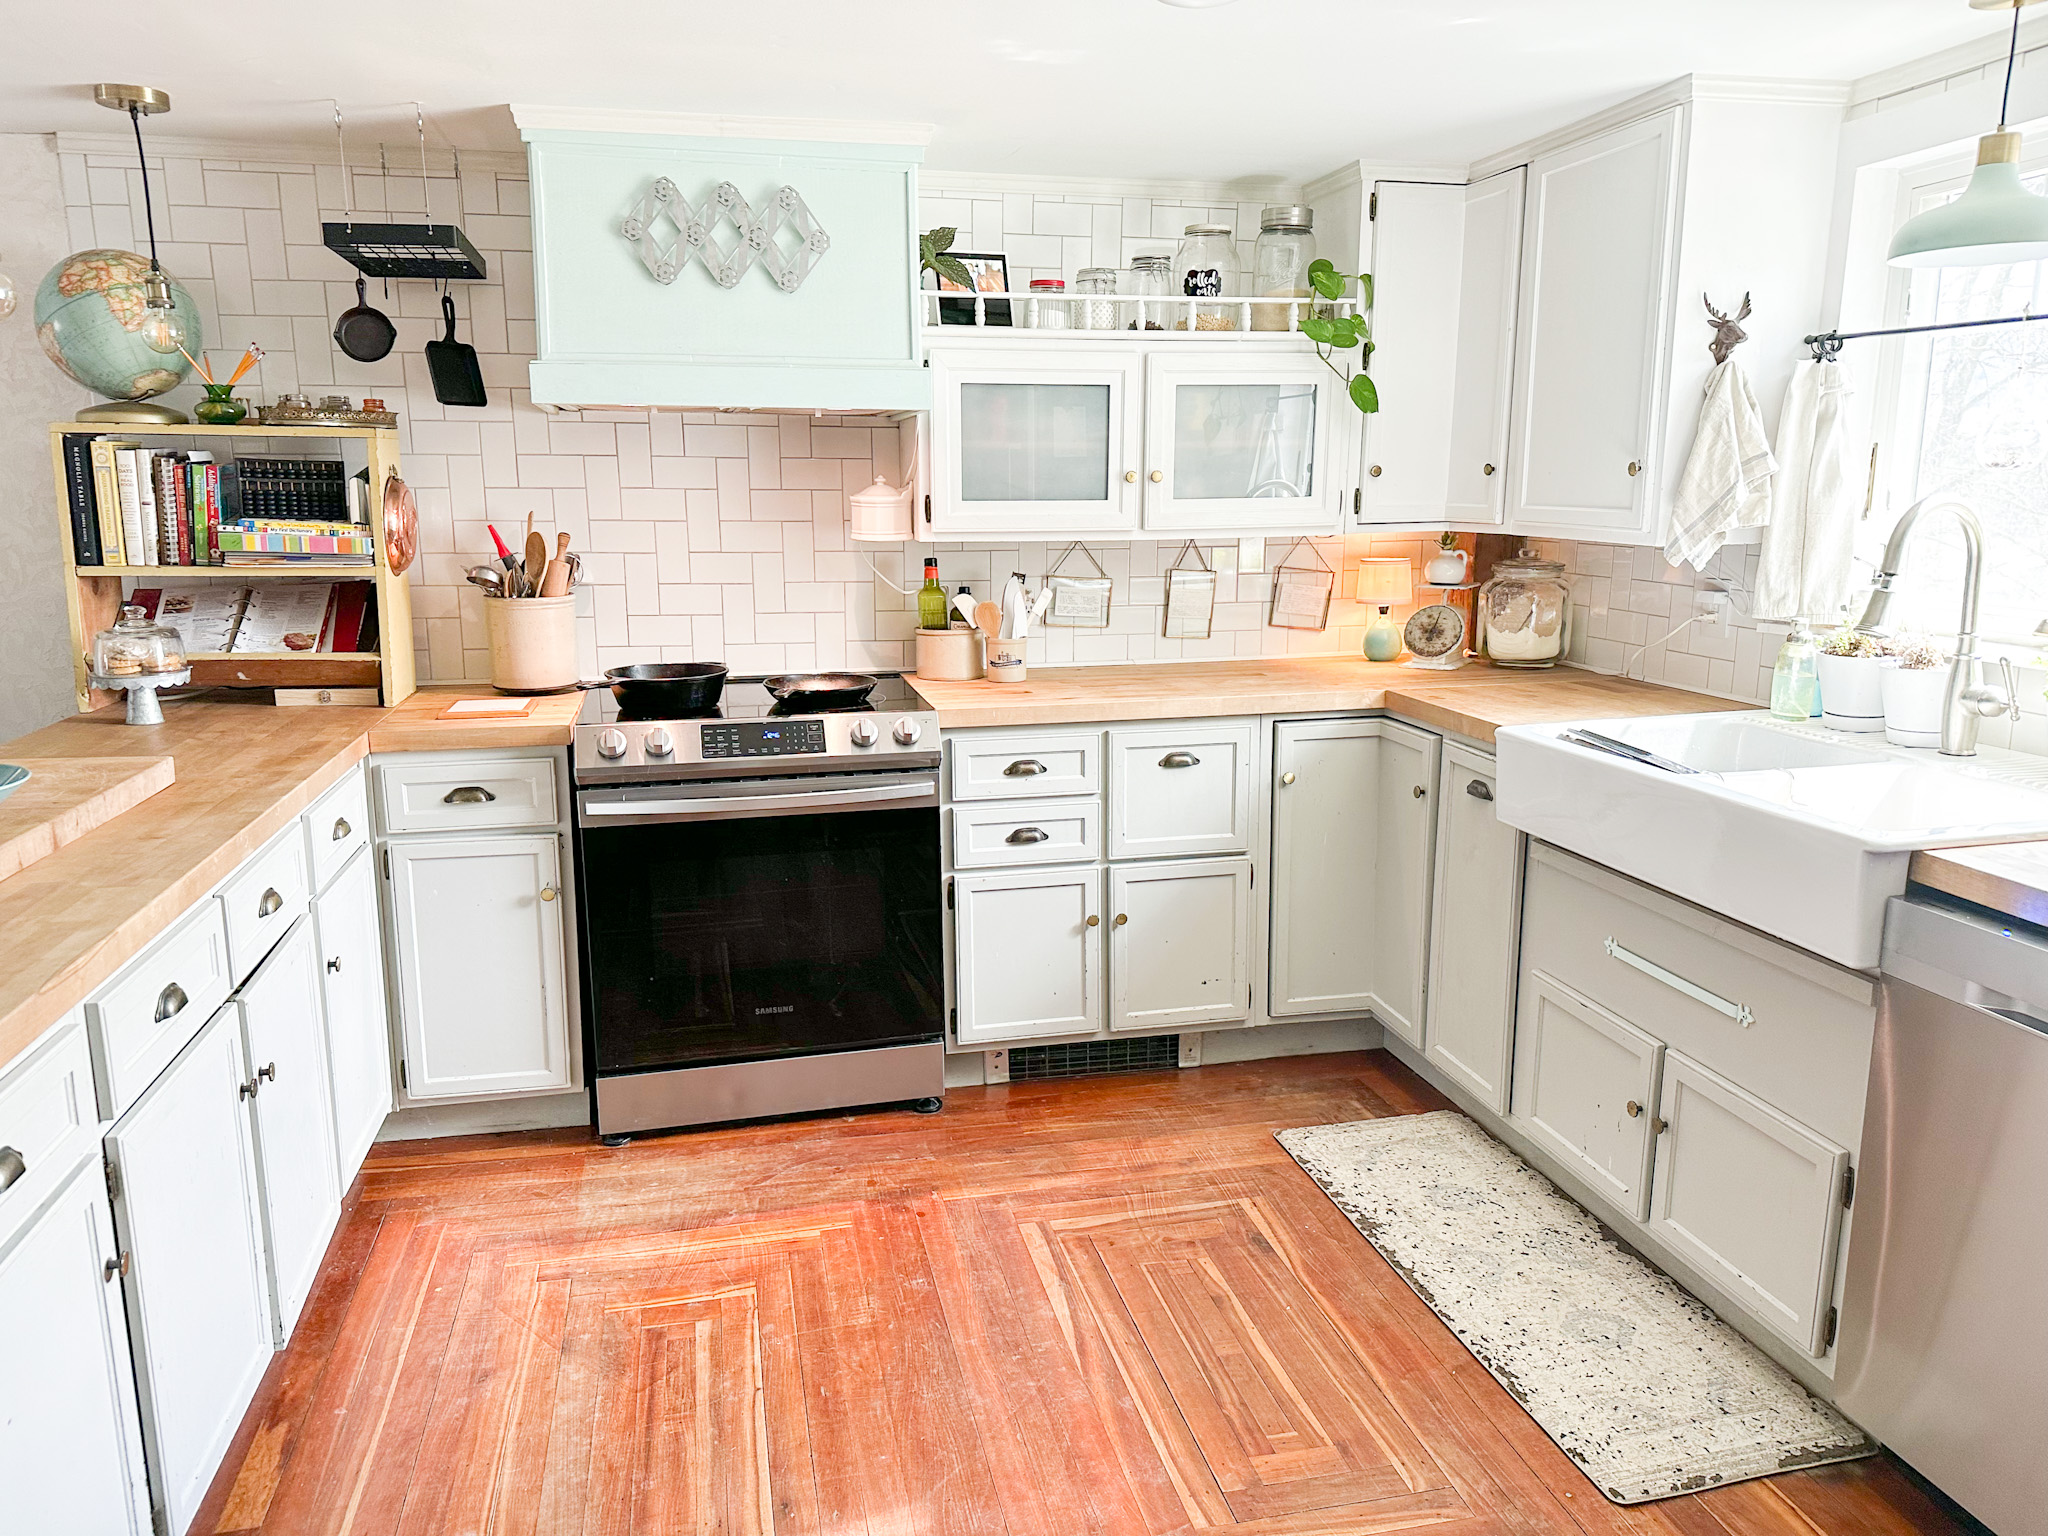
<point>1122,88</point>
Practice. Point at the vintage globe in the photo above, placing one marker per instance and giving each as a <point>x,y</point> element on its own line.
<point>89,312</point>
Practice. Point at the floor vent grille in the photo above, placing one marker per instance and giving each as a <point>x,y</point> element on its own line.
<point>1092,1058</point>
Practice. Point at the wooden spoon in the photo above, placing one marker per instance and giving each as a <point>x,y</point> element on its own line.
<point>536,562</point>
<point>988,618</point>
<point>556,582</point>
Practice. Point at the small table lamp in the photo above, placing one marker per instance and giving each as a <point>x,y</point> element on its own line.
<point>1384,582</point>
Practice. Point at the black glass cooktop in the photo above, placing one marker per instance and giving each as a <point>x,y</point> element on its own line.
<point>746,699</point>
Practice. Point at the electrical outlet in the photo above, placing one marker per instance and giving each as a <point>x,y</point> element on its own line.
<point>1710,613</point>
<point>995,1066</point>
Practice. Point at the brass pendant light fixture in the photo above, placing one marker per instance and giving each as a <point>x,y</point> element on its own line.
<point>1996,220</point>
<point>163,328</point>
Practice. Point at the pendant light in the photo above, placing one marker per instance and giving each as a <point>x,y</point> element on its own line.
<point>1996,220</point>
<point>163,328</point>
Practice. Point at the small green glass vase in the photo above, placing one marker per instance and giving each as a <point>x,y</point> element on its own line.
<point>220,408</point>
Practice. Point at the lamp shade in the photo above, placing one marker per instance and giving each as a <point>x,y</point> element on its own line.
<point>1996,220</point>
<point>1385,582</point>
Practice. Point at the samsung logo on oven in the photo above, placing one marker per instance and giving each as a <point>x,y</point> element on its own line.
<point>784,1008</point>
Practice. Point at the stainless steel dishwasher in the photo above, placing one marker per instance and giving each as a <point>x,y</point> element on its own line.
<point>1945,1321</point>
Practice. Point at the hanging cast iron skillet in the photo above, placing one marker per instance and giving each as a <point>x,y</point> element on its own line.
<point>365,333</point>
<point>452,364</point>
<point>799,691</point>
<point>665,690</point>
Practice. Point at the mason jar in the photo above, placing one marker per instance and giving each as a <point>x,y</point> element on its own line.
<point>1150,277</point>
<point>1207,265</point>
<point>1095,304</point>
<point>1280,264</point>
<point>1525,612</point>
<point>1050,310</point>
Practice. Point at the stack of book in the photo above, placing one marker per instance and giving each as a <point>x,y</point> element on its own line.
<point>131,505</point>
<point>275,618</point>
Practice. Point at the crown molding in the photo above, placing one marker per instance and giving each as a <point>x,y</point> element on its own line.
<point>1939,68</point>
<point>1248,189</point>
<point>307,153</point>
<point>708,125</point>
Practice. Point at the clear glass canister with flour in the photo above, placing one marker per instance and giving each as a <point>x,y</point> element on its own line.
<point>1525,612</point>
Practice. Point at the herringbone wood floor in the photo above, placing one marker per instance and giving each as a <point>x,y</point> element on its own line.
<point>1110,1306</point>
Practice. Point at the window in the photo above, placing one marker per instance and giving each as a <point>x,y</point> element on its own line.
<point>1965,413</point>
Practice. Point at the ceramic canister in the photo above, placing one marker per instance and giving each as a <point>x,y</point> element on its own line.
<point>1006,661</point>
<point>1851,692</point>
<point>532,643</point>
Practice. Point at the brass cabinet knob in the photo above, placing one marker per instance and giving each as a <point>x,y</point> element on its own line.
<point>1157,476</point>
<point>1286,778</point>
<point>1420,791</point>
<point>1634,468</point>
<point>1486,469</point>
<point>1374,471</point>
<point>1634,1109</point>
<point>1130,477</point>
<point>1121,919</point>
<point>547,893</point>
<point>1094,920</point>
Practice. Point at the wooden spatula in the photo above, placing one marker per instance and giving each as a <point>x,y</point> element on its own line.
<point>555,583</point>
<point>536,561</point>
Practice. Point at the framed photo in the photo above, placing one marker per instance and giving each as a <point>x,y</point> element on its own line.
<point>991,275</point>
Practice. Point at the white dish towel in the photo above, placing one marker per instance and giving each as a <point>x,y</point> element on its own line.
<point>1805,570</point>
<point>1727,479</point>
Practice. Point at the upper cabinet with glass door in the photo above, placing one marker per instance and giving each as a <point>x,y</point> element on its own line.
<point>1243,442</point>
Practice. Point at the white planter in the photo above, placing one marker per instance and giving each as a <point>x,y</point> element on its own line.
<point>1851,694</point>
<point>1912,704</point>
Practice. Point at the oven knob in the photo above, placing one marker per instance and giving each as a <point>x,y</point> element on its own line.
<point>907,731</point>
<point>863,733</point>
<point>658,742</point>
<point>611,743</point>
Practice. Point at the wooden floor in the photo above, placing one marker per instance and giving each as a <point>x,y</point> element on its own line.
<point>1106,1306</point>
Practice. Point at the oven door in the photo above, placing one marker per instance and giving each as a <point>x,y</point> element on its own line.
<point>746,920</point>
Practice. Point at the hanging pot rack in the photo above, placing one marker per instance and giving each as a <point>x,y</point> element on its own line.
<point>440,252</point>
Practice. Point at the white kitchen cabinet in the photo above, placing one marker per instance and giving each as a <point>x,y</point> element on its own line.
<point>1593,337</point>
<point>1179,944</point>
<point>358,1028</point>
<point>1353,828</point>
<point>1035,446</point>
<point>1489,277</point>
<point>70,1443</point>
<point>1586,1089</point>
<point>1027,947</point>
<point>1751,1196</point>
<point>1180,789</point>
<point>1243,442</point>
<point>1417,240</point>
<point>294,1109</point>
<point>190,1217</point>
<point>1476,916</point>
<point>477,931</point>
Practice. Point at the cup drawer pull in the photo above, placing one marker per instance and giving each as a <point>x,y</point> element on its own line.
<point>468,794</point>
<point>270,903</point>
<point>1739,1012</point>
<point>12,1165</point>
<point>1023,768</point>
<point>170,1002</point>
<point>1180,760</point>
<point>1478,789</point>
<point>1028,835</point>
<point>341,829</point>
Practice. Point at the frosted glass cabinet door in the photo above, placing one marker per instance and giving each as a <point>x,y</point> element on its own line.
<point>1241,443</point>
<point>1034,450</point>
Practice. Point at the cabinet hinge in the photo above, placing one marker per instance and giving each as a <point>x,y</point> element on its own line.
<point>113,1173</point>
<point>927,510</point>
<point>1372,208</point>
<point>949,893</point>
<point>1848,1187</point>
<point>953,1021</point>
<point>1834,1322</point>
<point>407,1086</point>
<point>1358,501</point>
<point>387,861</point>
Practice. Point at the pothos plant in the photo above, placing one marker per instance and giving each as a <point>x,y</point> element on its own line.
<point>932,247</point>
<point>1335,333</point>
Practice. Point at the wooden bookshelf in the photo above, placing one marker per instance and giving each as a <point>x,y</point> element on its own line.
<point>93,593</point>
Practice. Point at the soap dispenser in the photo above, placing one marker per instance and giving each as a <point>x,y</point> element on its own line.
<point>1795,680</point>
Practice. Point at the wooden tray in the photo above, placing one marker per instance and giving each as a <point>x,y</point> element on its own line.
<point>66,797</point>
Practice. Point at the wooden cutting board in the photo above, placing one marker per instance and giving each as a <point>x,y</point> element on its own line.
<point>66,797</point>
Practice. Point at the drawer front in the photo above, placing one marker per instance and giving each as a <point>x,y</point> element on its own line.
<point>1013,767</point>
<point>1041,832</point>
<point>423,794</point>
<point>47,1122</point>
<point>336,826</point>
<point>1688,978</point>
<point>263,899</point>
<point>1180,789</point>
<point>141,1019</point>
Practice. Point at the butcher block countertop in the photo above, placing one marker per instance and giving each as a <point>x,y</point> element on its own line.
<point>1473,701</point>
<point>2006,877</point>
<point>245,768</point>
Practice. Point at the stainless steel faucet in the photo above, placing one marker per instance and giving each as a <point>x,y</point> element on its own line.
<point>1969,698</point>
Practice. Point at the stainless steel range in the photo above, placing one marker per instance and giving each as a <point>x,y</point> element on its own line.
<point>760,895</point>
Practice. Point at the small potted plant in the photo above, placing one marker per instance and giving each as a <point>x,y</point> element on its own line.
<point>1914,687</point>
<point>1851,694</point>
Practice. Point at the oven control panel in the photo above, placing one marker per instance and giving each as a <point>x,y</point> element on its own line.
<point>761,738</point>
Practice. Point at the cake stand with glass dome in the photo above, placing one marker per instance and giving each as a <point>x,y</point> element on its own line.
<point>140,657</point>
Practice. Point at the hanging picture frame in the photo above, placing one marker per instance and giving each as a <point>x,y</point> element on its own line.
<point>1190,597</point>
<point>1301,593</point>
<point>1078,602</point>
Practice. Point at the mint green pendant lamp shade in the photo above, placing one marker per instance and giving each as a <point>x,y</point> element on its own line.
<point>1996,220</point>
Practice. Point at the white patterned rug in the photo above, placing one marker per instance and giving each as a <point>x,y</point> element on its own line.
<point>1641,1385</point>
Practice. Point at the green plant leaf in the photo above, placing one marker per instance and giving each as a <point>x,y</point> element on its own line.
<point>1364,394</point>
<point>1342,336</point>
<point>942,238</point>
<point>955,269</point>
<point>1330,283</point>
<point>1321,265</point>
<point>1318,330</point>
<point>1364,291</point>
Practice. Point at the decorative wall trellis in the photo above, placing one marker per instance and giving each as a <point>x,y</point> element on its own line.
<point>667,231</point>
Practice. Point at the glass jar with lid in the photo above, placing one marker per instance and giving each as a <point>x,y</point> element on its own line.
<point>1207,265</point>
<point>1050,310</point>
<point>1280,261</point>
<point>1525,612</point>
<point>1095,304</point>
<point>1150,277</point>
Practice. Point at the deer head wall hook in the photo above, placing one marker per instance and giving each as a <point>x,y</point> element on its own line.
<point>1728,334</point>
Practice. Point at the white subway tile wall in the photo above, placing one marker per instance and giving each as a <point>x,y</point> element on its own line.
<point>724,535</point>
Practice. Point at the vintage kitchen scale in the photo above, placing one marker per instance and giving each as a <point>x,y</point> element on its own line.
<point>1435,635</point>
